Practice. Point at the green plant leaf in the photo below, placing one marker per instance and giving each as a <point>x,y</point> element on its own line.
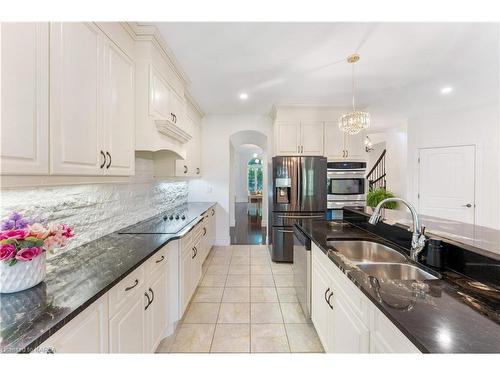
<point>11,262</point>
<point>375,196</point>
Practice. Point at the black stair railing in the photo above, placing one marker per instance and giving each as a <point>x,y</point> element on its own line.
<point>376,176</point>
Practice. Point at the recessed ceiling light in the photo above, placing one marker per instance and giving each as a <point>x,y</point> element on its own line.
<point>243,96</point>
<point>446,90</point>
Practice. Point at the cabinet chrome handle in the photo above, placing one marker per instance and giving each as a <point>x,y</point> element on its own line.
<point>103,159</point>
<point>133,286</point>
<point>194,253</point>
<point>109,164</point>
<point>326,292</point>
<point>161,259</point>
<point>149,301</point>
<point>185,169</point>
<point>204,231</point>
<point>284,231</point>
<point>213,212</point>
<point>175,118</point>
<point>328,300</point>
<point>197,170</point>
<point>172,115</point>
<point>347,153</point>
<point>468,205</point>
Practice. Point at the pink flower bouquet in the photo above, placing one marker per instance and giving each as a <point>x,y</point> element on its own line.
<point>22,240</point>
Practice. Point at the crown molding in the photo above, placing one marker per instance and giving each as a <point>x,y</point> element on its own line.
<point>148,32</point>
<point>193,103</point>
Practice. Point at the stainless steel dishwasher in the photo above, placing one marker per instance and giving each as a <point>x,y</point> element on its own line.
<point>302,269</point>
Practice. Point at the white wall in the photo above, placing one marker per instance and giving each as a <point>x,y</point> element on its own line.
<point>215,182</point>
<point>395,142</point>
<point>480,127</point>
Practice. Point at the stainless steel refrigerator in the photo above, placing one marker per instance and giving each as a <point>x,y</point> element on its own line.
<point>298,191</point>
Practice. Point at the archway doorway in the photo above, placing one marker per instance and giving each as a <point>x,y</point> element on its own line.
<point>248,190</point>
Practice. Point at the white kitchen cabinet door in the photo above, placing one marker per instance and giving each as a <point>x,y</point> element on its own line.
<point>159,95</point>
<point>385,337</point>
<point>157,312</point>
<point>127,327</point>
<point>86,333</point>
<point>355,146</point>
<point>76,131</point>
<point>119,111</point>
<point>185,279</point>
<point>178,110</point>
<point>183,168</point>
<point>351,334</point>
<point>320,310</point>
<point>196,266</point>
<point>287,138</point>
<point>24,103</point>
<point>311,138</point>
<point>333,141</point>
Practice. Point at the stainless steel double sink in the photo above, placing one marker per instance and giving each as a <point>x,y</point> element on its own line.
<point>380,261</point>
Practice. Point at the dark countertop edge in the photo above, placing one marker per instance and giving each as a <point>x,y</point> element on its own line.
<point>449,239</point>
<point>407,334</point>
<point>56,327</point>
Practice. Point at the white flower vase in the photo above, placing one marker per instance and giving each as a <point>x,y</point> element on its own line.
<point>22,275</point>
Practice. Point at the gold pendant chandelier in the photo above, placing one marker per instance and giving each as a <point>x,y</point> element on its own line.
<point>355,121</point>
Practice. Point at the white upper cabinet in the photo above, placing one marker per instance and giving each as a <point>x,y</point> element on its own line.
<point>311,137</point>
<point>24,64</point>
<point>159,95</point>
<point>299,138</point>
<point>76,80</point>
<point>355,146</point>
<point>119,111</point>
<point>91,103</point>
<point>287,138</point>
<point>340,145</point>
<point>334,141</point>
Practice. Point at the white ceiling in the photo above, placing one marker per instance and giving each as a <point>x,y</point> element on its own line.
<point>403,66</point>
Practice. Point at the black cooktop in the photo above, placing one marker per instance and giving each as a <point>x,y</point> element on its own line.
<point>169,222</point>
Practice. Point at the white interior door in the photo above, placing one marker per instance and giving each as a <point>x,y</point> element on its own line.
<point>446,182</point>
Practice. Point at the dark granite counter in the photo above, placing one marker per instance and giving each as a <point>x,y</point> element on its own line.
<point>75,279</point>
<point>476,238</point>
<point>454,314</point>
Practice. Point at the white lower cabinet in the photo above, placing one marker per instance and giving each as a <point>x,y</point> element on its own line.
<point>127,327</point>
<point>345,320</point>
<point>138,312</point>
<point>86,333</point>
<point>157,312</point>
<point>350,334</point>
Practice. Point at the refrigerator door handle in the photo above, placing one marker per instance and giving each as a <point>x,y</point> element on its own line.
<point>284,231</point>
<point>299,216</point>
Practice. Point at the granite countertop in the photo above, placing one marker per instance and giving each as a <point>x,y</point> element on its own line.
<point>445,316</point>
<point>75,279</point>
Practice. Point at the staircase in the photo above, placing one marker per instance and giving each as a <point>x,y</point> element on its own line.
<point>376,176</point>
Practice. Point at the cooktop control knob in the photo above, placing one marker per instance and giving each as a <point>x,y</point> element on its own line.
<point>171,217</point>
<point>183,217</point>
<point>177,217</point>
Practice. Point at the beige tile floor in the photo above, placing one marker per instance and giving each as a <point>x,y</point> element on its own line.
<point>245,303</point>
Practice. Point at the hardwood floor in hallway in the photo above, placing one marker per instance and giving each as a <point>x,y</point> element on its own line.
<point>248,228</point>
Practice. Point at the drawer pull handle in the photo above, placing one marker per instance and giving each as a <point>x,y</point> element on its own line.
<point>328,300</point>
<point>149,301</point>
<point>109,163</point>
<point>103,159</point>
<point>133,286</point>
<point>161,259</point>
<point>326,292</point>
<point>204,231</point>
<point>194,253</point>
<point>152,295</point>
<point>213,212</point>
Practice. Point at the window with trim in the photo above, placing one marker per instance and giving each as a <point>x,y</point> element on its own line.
<point>254,176</point>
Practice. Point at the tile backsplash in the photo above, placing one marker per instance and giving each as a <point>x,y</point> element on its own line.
<point>96,210</point>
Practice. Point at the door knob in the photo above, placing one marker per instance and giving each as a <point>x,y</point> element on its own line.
<point>468,205</point>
